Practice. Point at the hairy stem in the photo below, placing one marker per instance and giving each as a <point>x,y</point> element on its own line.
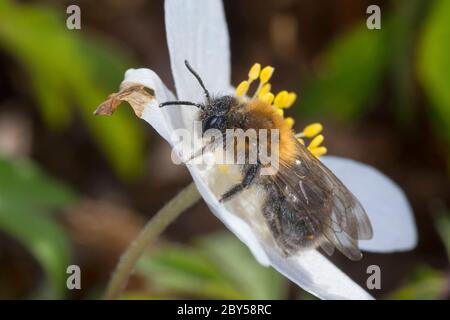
<point>182,201</point>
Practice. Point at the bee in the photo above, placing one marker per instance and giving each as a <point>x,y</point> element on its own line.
<point>305,204</point>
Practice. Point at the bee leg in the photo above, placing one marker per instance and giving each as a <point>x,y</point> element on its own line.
<point>249,176</point>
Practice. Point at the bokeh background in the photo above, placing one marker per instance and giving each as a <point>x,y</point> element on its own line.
<point>76,189</point>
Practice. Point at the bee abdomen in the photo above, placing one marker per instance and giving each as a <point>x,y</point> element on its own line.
<point>292,231</point>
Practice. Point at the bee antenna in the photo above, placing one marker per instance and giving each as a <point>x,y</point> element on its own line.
<point>177,103</point>
<point>200,81</point>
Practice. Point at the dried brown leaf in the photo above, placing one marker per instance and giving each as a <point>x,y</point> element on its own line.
<point>135,94</point>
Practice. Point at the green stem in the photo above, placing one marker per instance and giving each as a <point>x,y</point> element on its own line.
<point>182,201</point>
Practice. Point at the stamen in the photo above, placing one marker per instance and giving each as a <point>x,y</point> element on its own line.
<point>316,142</point>
<point>280,99</point>
<point>311,131</point>
<point>290,99</point>
<point>242,88</point>
<point>264,77</point>
<point>266,74</point>
<point>290,121</point>
<point>268,97</point>
<point>265,89</point>
<point>280,112</point>
<point>318,152</point>
<point>254,72</point>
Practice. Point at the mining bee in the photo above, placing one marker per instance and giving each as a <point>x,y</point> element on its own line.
<point>305,204</point>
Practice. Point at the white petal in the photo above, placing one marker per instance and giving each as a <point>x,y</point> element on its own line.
<point>317,275</point>
<point>197,32</point>
<point>242,215</point>
<point>387,206</point>
<point>160,119</point>
<point>310,270</point>
<point>236,225</point>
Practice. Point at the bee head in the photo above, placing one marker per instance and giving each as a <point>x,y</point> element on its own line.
<point>213,112</point>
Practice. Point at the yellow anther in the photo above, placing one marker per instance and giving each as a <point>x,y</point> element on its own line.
<point>312,130</point>
<point>268,97</point>
<point>290,99</point>
<point>318,152</point>
<point>242,88</point>
<point>266,74</point>
<point>280,112</point>
<point>316,142</point>
<point>301,141</point>
<point>265,89</point>
<point>280,99</point>
<point>290,121</point>
<point>254,72</point>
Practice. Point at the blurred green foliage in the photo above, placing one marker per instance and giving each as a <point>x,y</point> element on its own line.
<point>424,284</point>
<point>217,266</point>
<point>443,227</point>
<point>66,71</point>
<point>28,199</point>
<point>427,283</point>
<point>349,73</point>
<point>353,66</point>
<point>413,44</point>
<point>433,65</point>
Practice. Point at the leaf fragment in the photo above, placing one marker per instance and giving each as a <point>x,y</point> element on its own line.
<point>135,94</point>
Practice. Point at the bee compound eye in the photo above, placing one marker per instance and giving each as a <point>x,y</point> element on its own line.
<point>214,122</point>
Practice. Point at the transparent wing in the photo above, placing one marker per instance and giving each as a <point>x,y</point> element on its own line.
<point>319,197</point>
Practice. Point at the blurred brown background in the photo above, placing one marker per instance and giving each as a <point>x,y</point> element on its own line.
<point>382,108</point>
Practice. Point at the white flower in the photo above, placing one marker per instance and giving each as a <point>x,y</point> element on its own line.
<point>197,32</point>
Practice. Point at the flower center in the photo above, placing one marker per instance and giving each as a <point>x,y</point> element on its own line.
<point>282,100</point>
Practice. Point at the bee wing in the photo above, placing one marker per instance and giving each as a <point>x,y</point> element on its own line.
<point>314,191</point>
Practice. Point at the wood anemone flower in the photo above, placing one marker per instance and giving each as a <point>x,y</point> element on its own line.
<point>197,32</point>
